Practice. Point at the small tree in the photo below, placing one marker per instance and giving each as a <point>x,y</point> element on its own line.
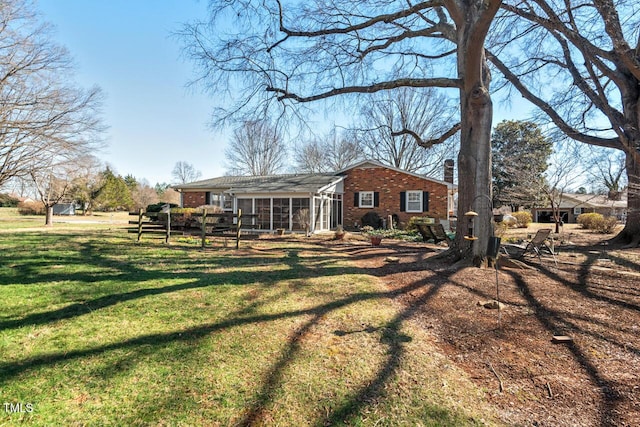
<point>562,173</point>
<point>52,186</point>
<point>115,193</point>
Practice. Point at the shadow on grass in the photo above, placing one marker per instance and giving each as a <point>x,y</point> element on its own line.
<point>131,272</point>
<point>94,254</point>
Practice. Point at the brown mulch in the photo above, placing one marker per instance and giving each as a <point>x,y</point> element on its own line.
<point>592,297</point>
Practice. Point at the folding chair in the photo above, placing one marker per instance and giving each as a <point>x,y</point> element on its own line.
<point>538,244</point>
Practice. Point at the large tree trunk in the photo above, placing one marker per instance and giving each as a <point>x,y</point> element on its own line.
<point>474,159</point>
<point>630,234</point>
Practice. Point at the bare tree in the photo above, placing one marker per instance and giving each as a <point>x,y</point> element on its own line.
<point>394,126</point>
<point>53,184</point>
<point>561,175</point>
<point>144,194</point>
<point>87,182</point>
<point>590,48</point>
<point>184,172</point>
<point>607,170</point>
<point>285,54</point>
<point>331,152</point>
<point>256,148</point>
<point>43,116</point>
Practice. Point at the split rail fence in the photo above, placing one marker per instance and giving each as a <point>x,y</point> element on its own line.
<point>203,224</point>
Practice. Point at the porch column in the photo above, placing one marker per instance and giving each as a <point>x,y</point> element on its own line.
<point>312,213</point>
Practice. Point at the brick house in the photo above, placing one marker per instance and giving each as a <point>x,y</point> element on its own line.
<point>388,191</point>
<point>332,199</point>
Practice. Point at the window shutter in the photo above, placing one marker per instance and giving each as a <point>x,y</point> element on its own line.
<point>403,201</point>
<point>356,199</point>
<point>376,199</point>
<point>425,201</point>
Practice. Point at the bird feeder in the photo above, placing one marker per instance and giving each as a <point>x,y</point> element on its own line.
<point>471,215</point>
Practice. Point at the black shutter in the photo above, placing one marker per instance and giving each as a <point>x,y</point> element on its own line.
<point>376,199</point>
<point>425,201</point>
<point>403,201</point>
<point>356,199</point>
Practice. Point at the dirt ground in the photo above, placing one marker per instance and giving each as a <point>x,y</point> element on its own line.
<point>591,298</point>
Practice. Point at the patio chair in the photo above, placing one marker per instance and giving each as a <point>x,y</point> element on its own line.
<point>537,245</point>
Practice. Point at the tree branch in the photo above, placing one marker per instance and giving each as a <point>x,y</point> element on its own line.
<point>373,88</point>
<point>429,142</point>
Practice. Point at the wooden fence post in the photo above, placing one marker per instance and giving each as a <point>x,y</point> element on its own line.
<point>140,212</point>
<point>238,225</point>
<point>204,227</point>
<point>168,236</point>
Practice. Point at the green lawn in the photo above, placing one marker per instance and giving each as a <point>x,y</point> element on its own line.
<point>96,329</point>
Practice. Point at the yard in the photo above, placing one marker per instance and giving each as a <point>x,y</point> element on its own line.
<point>98,329</point>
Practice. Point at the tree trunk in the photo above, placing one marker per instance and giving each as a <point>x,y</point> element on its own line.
<point>48,215</point>
<point>630,234</point>
<point>474,158</point>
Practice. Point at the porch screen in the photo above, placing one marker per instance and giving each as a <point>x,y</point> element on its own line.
<point>281,213</point>
<point>300,210</point>
<point>263,209</point>
<point>247,208</point>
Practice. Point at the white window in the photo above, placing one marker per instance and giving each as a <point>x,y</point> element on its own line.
<point>227,203</point>
<point>414,201</point>
<point>366,199</point>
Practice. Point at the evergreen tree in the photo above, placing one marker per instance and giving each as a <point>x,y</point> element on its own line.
<point>115,193</point>
<point>520,154</point>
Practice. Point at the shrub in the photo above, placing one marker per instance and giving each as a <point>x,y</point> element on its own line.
<point>605,225</point>
<point>157,207</point>
<point>411,225</point>
<point>523,217</point>
<point>372,219</point>
<point>588,221</point>
<point>211,209</point>
<point>183,211</point>
<point>8,201</point>
<point>31,208</point>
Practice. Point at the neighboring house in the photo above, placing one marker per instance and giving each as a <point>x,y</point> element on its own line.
<point>573,205</point>
<point>332,199</point>
<point>64,209</point>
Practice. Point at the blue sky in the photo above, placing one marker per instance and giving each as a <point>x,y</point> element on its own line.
<point>126,48</point>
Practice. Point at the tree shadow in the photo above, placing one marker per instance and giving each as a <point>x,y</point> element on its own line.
<point>558,324</point>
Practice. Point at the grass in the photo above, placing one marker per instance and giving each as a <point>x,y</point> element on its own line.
<point>97,329</point>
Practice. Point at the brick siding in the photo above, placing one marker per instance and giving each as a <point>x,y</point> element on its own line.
<point>389,184</point>
<point>193,199</point>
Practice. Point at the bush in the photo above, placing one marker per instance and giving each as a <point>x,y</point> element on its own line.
<point>8,201</point>
<point>211,209</point>
<point>372,219</point>
<point>411,225</point>
<point>588,221</point>
<point>606,225</point>
<point>31,208</point>
<point>523,217</point>
<point>183,211</point>
<point>157,207</point>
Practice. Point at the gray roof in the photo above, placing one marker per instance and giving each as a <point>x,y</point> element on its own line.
<point>291,183</point>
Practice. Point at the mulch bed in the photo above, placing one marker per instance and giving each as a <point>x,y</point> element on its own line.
<point>591,300</point>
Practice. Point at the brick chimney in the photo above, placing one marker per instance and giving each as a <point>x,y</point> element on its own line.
<point>448,170</point>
